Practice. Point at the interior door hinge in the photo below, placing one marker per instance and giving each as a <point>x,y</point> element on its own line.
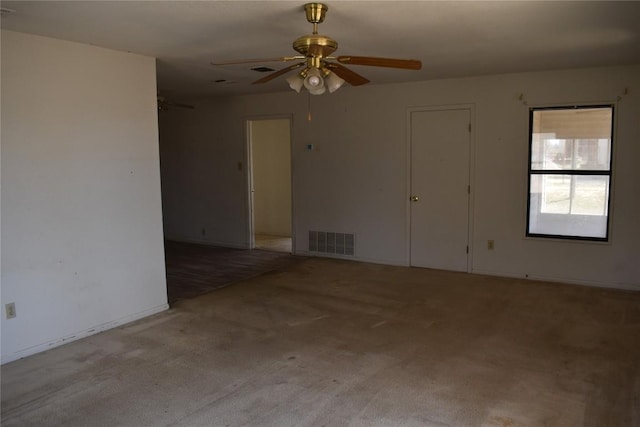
<point>467,248</point>
<point>468,189</point>
<point>469,127</point>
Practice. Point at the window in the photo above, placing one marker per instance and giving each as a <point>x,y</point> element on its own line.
<point>570,172</point>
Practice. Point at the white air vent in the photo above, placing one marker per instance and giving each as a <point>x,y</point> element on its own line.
<point>329,242</point>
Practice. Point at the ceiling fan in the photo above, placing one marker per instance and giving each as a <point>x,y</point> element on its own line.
<point>320,70</point>
<point>164,104</point>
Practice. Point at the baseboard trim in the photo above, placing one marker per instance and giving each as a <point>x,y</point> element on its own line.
<point>6,358</point>
<point>569,281</point>
<point>591,283</point>
<point>311,254</point>
<point>206,242</point>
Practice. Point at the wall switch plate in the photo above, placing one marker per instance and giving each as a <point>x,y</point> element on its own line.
<point>490,245</point>
<point>10,310</point>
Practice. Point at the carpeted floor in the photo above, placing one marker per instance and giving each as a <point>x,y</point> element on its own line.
<point>325,342</point>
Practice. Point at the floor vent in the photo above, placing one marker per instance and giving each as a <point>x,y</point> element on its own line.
<point>332,243</point>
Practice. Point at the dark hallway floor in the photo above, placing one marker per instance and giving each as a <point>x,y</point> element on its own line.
<point>194,270</point>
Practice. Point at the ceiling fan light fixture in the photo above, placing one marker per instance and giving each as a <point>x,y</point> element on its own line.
<point>333,82</point>
<point>318,91</point>
<point>296,82</point>
<point>314,82</point>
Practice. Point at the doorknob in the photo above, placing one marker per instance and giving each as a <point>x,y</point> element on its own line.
<point>413,198</point>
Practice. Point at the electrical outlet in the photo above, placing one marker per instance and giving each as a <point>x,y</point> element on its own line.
<point>490,245</point>
<point>203,231</point>
<point>10,310</point>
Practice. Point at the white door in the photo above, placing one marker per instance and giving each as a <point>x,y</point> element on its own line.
<point>440,145</point>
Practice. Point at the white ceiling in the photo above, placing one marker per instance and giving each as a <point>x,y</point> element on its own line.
<point>453,39</point>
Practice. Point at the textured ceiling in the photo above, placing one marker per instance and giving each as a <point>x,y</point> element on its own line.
<point>453,39</point>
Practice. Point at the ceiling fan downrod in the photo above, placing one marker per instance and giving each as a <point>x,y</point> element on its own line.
<point>315,45</point>
<point>315,14</point>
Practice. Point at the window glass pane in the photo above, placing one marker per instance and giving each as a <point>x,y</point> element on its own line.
<point>571,139</point>
<point>568,205</point>
<point>590,195</point>
<point>555,191</point>
<point>593,154</point>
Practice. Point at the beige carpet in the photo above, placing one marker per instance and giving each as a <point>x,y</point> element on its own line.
<point>336,343</point>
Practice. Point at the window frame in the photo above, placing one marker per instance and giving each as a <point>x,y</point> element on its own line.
<point>571,172</point>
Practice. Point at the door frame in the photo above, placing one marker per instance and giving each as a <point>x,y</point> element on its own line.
<point>409,164</point>
<point>248,160</point>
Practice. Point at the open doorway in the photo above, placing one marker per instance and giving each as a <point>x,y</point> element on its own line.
<point>269,147</point>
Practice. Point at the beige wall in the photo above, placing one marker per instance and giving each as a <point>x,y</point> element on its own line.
<point>82,244</point>
<point>271,161</point>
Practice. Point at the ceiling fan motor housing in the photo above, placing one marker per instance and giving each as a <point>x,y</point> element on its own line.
<point>315,45</point>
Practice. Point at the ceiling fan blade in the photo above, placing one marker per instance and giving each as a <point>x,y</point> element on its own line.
<point>164,104</point>
<point>351,77</point>
<point>254,61</point>
<point>278,73</point>
<point>408,64</point>
<point>177,104</point>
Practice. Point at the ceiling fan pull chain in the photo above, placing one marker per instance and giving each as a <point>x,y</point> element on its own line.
<point>308,106</point>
